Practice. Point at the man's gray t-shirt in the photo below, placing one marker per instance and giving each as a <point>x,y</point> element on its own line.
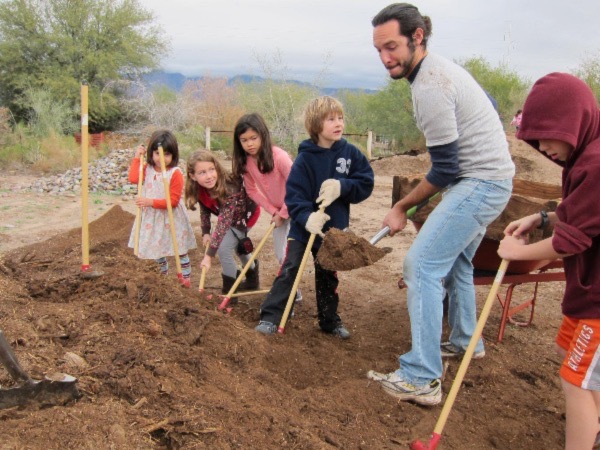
<point>449,105</point>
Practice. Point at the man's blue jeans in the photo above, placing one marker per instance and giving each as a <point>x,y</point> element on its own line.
<point>439,260</point>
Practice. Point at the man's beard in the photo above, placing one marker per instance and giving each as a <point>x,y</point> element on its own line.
<point>406,68</point>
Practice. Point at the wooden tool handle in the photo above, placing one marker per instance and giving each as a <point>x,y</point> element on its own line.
<point>163,168</point>
<point>246,268</point>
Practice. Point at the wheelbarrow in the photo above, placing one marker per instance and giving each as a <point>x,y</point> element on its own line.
<point>56,389</point>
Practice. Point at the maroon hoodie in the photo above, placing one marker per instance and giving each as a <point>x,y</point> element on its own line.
<point>562,107</point>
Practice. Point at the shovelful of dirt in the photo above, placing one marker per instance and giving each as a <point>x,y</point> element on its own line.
<point>344,250</point>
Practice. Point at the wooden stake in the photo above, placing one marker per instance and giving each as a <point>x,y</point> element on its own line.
<point>85,238</point>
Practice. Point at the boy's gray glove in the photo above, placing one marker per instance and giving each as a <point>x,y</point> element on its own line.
<point>315,222</point>
<point>329,192</point>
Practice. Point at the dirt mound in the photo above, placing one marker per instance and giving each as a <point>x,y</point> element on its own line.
<point>160,368</point>
<point>344,250</point>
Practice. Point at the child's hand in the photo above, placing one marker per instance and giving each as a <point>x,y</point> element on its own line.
<point>206,262</point>
<point>509,247</point>
<point>140,151</point>
<point>277,220</point>
<point>522,226</point>
<point>315,222</point>
<point>329,192</point>
<point>144,202</point>
<point>206,240</point>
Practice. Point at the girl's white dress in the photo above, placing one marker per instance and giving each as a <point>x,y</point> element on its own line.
<point>155,232</point>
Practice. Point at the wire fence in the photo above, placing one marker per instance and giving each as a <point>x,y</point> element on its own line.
<point>372,145</point>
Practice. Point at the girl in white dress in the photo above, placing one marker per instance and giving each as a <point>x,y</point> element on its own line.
<point>155,240</point>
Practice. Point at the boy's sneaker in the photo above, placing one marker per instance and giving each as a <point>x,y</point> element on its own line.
<point>450,350</point>
<point>340,331</point>
<point>298,298</point>
<point>428,394</point>
<point>265,327</point>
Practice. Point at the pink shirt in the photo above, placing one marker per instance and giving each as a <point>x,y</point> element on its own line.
<point>268,189</point>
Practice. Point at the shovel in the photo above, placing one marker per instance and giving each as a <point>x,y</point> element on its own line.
<point>343,250</point>
<point>203,272</point>
<point>163,168</point>
<point>462,369</point>
<point>229,295</point>
<point>57,389</point>
<point>292,296</point>
<point>138,216</point>
<point>411,212</point>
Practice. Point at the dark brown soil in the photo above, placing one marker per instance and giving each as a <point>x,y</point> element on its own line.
<point>159,367</point>
<point>344,250</point>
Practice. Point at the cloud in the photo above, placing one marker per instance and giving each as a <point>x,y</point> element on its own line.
<point>223,37</point>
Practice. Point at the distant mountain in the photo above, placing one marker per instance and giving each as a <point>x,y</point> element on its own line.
<point>175,82</point>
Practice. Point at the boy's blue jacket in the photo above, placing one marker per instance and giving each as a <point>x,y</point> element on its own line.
<point>312,166</point>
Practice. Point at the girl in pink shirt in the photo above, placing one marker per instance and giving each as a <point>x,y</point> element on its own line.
<point>265,169</point>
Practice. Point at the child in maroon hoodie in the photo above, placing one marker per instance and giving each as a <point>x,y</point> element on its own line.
<point>561,119</point>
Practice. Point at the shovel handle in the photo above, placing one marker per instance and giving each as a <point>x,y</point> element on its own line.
<point>10,361</point>
<point>242,274</point>
<point>411,212</point>
<point>163,168</point>
<point>379,236</point>
<point>290,301</point>
<point>138,217</point>
<point>462,369</point>
<point>203,272</point>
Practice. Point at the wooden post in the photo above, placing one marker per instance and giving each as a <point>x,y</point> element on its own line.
<point>369,143</point>
<point>85,239</point>
<point>207,130</point>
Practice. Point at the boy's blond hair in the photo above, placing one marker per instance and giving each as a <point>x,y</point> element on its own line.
<point>317,111</point>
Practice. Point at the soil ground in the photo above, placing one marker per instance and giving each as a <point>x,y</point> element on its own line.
<point>159,367</point>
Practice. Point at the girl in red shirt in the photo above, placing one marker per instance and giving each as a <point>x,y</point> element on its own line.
<point>155,241</point>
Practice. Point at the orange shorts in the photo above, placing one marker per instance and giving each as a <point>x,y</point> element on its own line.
<point>581,340</point>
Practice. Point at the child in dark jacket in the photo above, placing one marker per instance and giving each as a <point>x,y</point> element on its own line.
<point>328,172</point>
<point>561,120</point>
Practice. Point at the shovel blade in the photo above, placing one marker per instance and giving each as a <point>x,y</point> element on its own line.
<point>41,393</point>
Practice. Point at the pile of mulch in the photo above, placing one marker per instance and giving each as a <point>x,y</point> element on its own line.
<point>344,250</point>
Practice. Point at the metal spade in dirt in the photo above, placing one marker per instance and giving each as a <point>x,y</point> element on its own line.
<point>56,389</point>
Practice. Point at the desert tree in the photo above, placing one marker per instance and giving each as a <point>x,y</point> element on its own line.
<point>388,113</point>
<point>507,87</point>
<point>589,71</point>
<point>53,45</point>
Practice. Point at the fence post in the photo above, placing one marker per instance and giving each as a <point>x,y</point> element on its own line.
<point>207,138</point>
<point>369,143</point>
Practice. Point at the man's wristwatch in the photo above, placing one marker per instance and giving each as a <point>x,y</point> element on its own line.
<point>544,223</point>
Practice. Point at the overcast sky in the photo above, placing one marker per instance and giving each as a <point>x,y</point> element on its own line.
<point>228,37</point>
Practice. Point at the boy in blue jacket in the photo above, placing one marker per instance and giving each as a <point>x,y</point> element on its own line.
<point>329,172</point>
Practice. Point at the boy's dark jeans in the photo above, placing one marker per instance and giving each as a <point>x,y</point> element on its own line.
<point>326,283</point>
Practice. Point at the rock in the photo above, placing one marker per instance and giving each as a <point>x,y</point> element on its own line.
<point>108,174</point>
